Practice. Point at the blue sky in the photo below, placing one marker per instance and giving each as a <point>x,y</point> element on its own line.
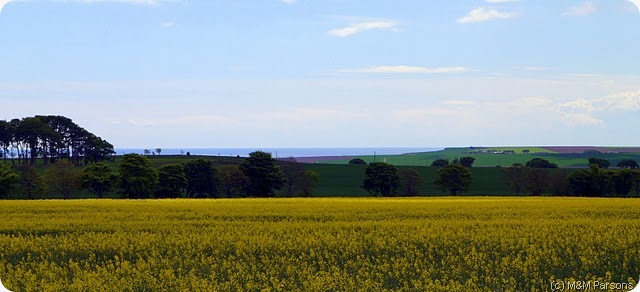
<point>327,73</point>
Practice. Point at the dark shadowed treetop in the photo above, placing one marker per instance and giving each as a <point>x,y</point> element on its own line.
<point>51,138</point>
<point>467,161</point>
<point>171,181</point>
<point>200,176</point>
<point>381,179</point>
<point>264,175</point>
<point>357,161</point>
<point>8,178</point>
<point>453,178</point>
<point>602,163</point>
<point>440,162</point>
<point>628,163</point>
<point>98,178</point>
<point>63,177</point>
<point>138,178</point>
<point>411,182</point>
<point>540,163</point>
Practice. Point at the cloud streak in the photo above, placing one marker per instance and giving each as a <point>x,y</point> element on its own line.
<point>582,111</point>
<point>406,70</point>
<point>482,14</point>
<point>3,3</point>
<point>362,27</point>
<point>635,3</point>
<point>583,9</point>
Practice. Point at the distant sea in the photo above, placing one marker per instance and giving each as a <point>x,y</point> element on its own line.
<point>285,152</point>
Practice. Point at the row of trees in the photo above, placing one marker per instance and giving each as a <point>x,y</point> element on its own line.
<point>258,176</point>
<point>383,179</point>
<point>536,177</point>
<point>597,181</point>
<point>50,138</point>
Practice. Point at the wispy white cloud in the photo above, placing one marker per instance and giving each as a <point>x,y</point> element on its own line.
<point>168,24</point>
<point>624,101</point>
<point>406,69</point>
<point>536,68</point>
<point>459,102</point>
<point>583,111</point>
<point>583,9</point>
<point>636,4</point>
<point>3,3</point>
<point>520,113</point>
<point>482,14</point>
<point>585,75</point>
<point>289,1</point>
<point>361,27</point>
<point>187,120</point>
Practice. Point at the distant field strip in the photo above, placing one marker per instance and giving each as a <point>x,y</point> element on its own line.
<point>485,158</point>
<point>371,244</point>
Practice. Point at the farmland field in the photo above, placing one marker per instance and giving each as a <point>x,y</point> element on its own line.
<point>349,244</point>
<point>563,159</point>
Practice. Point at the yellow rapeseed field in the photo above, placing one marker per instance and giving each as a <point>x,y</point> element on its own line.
<point>323,244</point>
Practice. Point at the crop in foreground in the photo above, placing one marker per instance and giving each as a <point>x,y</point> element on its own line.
<point>318,244</point>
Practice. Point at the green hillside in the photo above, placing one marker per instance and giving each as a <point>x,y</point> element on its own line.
<point>489,159</point>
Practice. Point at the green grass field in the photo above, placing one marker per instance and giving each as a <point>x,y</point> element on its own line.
<point>345,181</point>
<point>363,244</point>
<point>492,160</point>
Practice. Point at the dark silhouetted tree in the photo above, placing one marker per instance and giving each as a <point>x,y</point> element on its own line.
<point>540,163</point>
<point>411,182</point>
<point>602,163</point>
<point>8,178</point>
<point>628,163</point>
<point>171,181</point>
<point>357,161</point>
<point>537,180</point>
<point>454,179</point>
<point>138,178</point>
<point>233,182</point>
<point>589,183</point>
<point>31,182</point>
<point>99,178</point>
<point>636,182</point>
<point>381,179</point>
<point>265,176</point>
<point>559,183</point>
<point>308,183</point>
<point>6,138</point>
<point>299,182</point>
<point>201,179</point>
<point>622,181</point>
<point>293,173</point>
<point>467,161</point>
<point>516,177</point>
<point>63,177</point>
<point>440,162</point>
<point>51,138</point>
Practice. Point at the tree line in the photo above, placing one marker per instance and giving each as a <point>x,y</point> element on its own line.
<point>136,178</point>
<point>49,139</point>
<point>260,175</point>
<point>536,177</point>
